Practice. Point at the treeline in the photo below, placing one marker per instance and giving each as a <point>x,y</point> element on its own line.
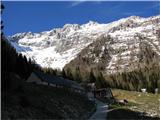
<point>92,76</point>
<point>146,76</point>
<point>56,72</point>
<point>15,63</point>
<point>78,76</point>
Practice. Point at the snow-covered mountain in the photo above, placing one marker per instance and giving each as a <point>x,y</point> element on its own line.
<point>57,47</point>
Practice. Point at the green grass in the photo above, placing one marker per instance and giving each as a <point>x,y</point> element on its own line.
<point>44,102</point>
<point>142,102</point>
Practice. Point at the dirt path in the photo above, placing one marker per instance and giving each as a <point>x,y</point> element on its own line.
<point>101,112</point>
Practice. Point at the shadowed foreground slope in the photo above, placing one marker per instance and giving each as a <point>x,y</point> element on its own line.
<point>44,102</point>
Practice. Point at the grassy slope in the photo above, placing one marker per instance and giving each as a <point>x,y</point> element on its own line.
<point>143,102</point>
<point>44,102</point>
<point>127,114</point>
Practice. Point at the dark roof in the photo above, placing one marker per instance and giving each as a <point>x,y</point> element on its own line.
<point>57,80</point>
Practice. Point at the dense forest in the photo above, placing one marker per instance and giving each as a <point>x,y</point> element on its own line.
<point>146,76</point>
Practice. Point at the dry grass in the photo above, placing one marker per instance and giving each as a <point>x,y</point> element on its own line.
<point>143,102</point>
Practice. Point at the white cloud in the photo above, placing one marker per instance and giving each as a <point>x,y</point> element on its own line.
<point>75,3</point>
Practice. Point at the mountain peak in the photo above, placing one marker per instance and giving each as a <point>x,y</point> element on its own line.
<point>134,17</point>
<point>58,47</point>
<point>90,23</point>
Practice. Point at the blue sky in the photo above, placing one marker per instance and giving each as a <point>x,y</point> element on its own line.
<point>43,16</point>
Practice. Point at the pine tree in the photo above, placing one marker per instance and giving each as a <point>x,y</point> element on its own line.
<point>69,74</point>
<point>64,74</point>
<point>2,26</point>
<point>78,76</point>
<point>100,81</point>
<point>92,77</point>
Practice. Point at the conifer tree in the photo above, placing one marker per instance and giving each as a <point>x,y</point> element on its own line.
<point>64,74</point>
<point>69,74</point>
<point>100,81</point>
<point>92,77</point>
<point>78,76</point>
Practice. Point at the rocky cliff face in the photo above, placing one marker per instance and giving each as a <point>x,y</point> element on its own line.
<point>116,45</point>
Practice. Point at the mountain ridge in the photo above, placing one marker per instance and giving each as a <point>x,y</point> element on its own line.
<point>57,47</point>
